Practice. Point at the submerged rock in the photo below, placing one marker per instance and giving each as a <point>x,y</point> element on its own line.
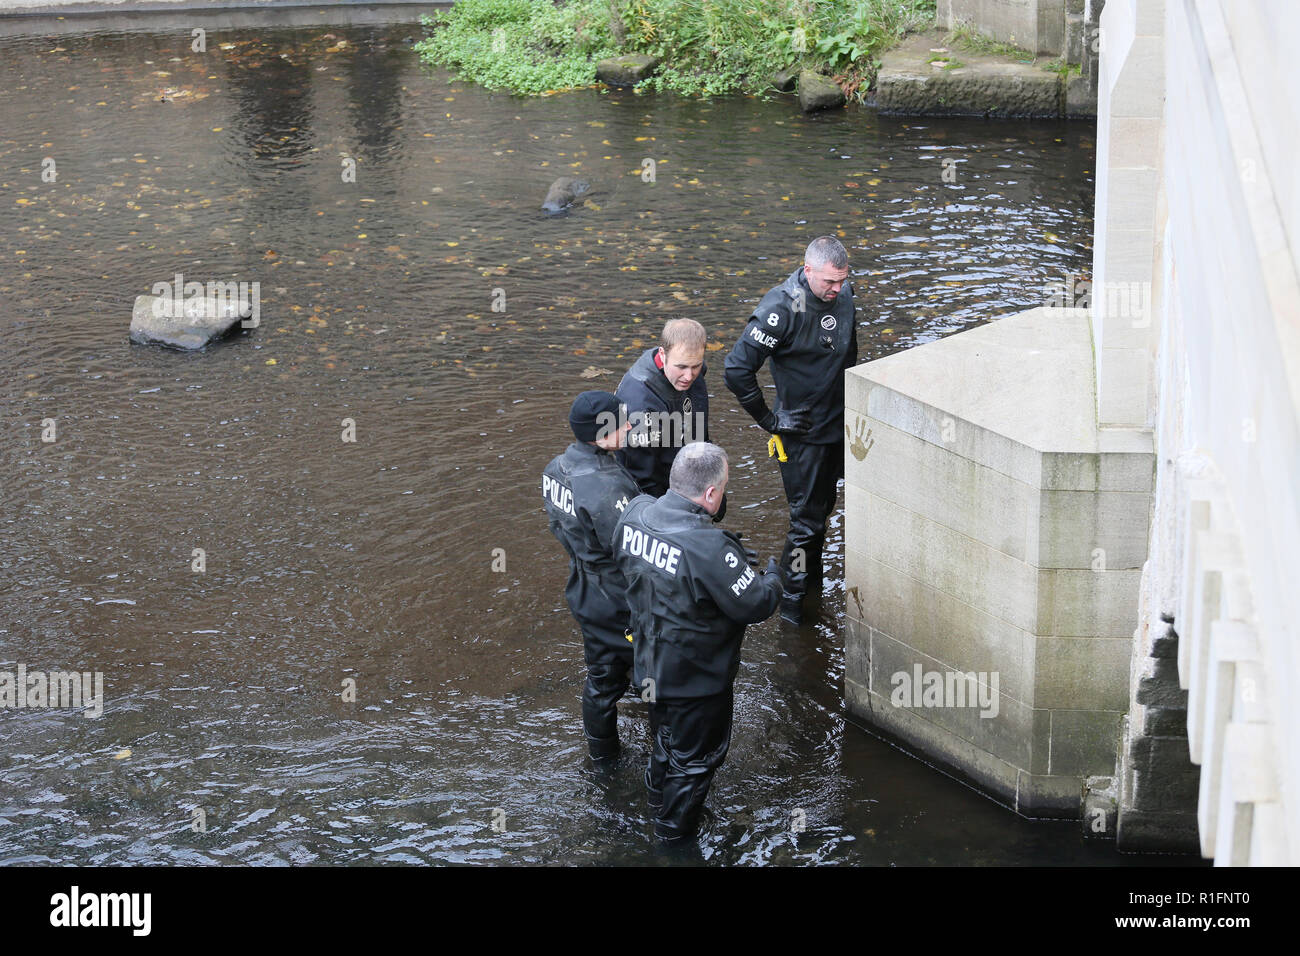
<point>817,92</point>
<point>626,70</point>
<point>564,192</point>
<point>155,320</point>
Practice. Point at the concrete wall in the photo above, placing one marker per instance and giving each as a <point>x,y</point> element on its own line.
<point>1130,106</point>
<point>1035,25</point>
<point>993,529</point>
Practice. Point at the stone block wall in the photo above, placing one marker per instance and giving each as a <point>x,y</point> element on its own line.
<point>1036,25</point>
<point>993,531</point>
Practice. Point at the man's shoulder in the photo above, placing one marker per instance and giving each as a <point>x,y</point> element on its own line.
<point>610,476</point>
<point>639,389</point>
<point>716,540</point>
<point>775,312</point>
<point>777,297</point>
<point>768,327</point>
<point>632,510</point>
<point>557,466</point>
<point>638,395</point>
<point>713,554</point>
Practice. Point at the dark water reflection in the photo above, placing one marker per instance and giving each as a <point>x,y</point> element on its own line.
<point>372,561</point>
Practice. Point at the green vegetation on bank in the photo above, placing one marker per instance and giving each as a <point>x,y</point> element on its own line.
<point>707,46</point>
<point>972,41</point>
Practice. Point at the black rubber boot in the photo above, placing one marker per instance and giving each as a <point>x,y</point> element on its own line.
<point>792,608</point>
<point>603,749</point>
<point>654,795</point>
<point>670,836</point>
<point>605,684</point>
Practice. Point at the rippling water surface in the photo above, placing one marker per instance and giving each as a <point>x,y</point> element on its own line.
<point>372,561</point>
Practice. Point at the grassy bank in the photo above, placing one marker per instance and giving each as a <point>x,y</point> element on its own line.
<point>707,46</point>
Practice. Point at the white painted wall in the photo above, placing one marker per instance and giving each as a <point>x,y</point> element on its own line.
<point>1223,383</point>
<point>1130,107</point>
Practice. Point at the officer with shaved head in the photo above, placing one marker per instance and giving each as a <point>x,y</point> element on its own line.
<point>806,327</point>
<point>691,593</point>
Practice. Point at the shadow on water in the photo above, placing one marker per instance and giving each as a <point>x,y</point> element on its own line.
<point>331,564</point>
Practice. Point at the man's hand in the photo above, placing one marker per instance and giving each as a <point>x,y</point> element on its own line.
<point>788,421</point>
<point>774,567</point>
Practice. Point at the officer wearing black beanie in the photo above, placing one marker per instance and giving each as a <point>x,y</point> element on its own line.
<point>584,491</point>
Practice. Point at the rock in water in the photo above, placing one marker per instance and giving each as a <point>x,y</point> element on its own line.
<point>564,192</point>
<point>156,320</point>
<point>626,70</point>
<point>817,92</point>
<point>784,80</point>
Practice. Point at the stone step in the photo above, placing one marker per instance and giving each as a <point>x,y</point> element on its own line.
<point>914,80</point>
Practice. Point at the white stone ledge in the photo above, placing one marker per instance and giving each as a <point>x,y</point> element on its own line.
<point>1248,780</point>
<point>1231,643</point>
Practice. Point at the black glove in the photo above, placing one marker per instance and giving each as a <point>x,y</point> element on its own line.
<point>722,509</point>
<point>774,567</point>
<point>788,421</point>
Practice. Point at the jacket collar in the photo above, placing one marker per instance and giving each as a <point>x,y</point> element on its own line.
<point>647,370</point>
<point>797,281</point>
<point>674,510</point>
<point>587,450</point>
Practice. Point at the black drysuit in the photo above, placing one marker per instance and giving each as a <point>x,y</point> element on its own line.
<point>663,420</point>
<point>691,593</point>
<point>585,491</point>
<point>810,344</point>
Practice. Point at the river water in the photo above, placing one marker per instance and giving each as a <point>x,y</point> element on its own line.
<point>225,736</point>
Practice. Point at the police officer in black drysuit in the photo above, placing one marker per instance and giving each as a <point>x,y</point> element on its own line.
<point>585,491</point>
<point>655,397</point>
<point>691,592</point>
<point>807,327</point>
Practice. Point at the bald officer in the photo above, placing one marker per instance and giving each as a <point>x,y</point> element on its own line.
<point>691,592</point>
<point>807,327</point>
